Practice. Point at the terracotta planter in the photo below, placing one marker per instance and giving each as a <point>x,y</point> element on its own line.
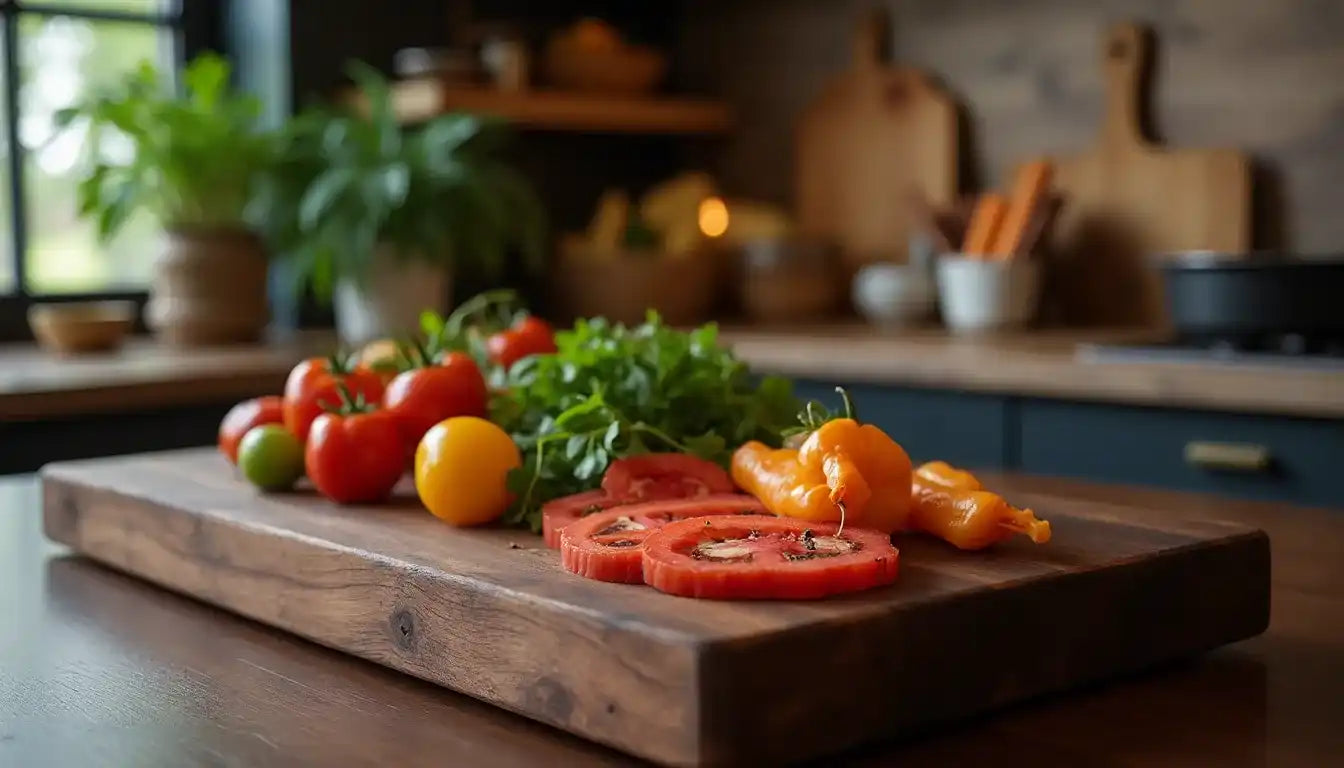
<point>389,301</point>
<point>209,287</point>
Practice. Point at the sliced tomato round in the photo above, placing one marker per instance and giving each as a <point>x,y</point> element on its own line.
<point>776,558</point>
<point>665,476</point>
<point>558,513</point>
<point>606,545</point>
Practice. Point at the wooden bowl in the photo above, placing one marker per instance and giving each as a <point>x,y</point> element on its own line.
<point>627,70</point>
<point>78,327</point>
<point>622,287</point>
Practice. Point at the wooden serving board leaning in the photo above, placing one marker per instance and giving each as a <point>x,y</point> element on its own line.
<point>1129,201</point>
<point>679,681</point>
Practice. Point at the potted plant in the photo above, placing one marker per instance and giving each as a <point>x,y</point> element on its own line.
<point>380,217</point>
<point>194,163</point>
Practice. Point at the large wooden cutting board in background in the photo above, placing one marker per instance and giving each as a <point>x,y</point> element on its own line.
<point>490,613</point>
<point>875,135</point>
<point>1128,200</point>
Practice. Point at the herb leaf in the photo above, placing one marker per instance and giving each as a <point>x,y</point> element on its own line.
<point>612,391</point>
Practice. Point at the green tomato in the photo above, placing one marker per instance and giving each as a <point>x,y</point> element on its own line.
<point>271,457</point>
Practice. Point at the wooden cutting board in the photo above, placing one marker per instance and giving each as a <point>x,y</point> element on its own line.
<point>874,135</point>
<point>1129,200</point>
<point>679,681</point>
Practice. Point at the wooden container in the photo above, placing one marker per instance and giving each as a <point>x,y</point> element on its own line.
<point>209,288</point>
<point>617,70</point>
<point>70,328</point>
<point>624,285</point>
<point>790,280</point>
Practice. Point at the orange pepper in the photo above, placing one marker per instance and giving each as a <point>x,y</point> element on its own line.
<point>951,504</point>
<point>939,474</point>
<point>843,471</point>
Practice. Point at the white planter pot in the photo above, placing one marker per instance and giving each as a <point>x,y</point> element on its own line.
<point>390,301</point>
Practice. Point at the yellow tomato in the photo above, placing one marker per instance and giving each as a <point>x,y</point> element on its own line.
<point>461,470</point>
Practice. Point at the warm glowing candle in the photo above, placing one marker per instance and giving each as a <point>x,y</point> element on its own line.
<point>713,217</point>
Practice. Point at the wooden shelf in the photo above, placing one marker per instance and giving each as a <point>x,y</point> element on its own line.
<point>419,100</point>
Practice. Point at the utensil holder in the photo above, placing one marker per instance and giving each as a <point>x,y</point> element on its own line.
<point>977,295</point>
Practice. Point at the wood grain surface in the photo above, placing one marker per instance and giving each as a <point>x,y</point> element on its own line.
<point>1129,201</point>
<point>36,384</point>
<point>489,612</point>
<point>102,670</point>
<point>874,136</point>
<point>1040,363</point>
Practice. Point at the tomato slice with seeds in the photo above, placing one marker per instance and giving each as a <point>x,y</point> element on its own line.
<point>606,546</point>
<point>776,558</point>
<point>558,513</point>
<point>665,476</point>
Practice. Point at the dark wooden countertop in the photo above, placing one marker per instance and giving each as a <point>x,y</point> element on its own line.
<point>1042,363</point>
<point>98,669</point>
<point>35,383</point>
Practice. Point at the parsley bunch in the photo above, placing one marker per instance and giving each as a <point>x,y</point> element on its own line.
<point>613,391</point>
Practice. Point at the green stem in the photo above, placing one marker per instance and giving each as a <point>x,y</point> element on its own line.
<point>661,435</point>
<point>850,413</point>
<point>812,415</point>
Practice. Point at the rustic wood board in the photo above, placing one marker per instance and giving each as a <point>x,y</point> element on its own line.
<point>1128,201</point>
<point>683,682</point>
<point>875,135</point>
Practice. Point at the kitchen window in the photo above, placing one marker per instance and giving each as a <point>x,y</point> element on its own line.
<point>53,53</point>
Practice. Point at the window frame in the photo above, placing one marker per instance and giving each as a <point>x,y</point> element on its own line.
<point>198,26</point>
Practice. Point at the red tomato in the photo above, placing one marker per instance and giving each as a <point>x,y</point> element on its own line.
<point>606,545</point>
<point>665,476</point>
<point>530,336</point>
<point>422,397</point>
<point>311,389</point>
<point>558,513</point>
<point>244,416</point>
<point>732,558</point>
<point>355,458</point>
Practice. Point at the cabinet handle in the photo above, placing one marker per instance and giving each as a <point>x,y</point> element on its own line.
<point>1231,457</point>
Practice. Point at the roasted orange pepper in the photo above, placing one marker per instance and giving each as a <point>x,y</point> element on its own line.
<point>952,504</point>
<point>940,474</point>
<point>843,471</point>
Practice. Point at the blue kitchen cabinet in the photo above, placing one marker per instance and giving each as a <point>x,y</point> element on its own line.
<point>1237,455</point>
<point>962,428</point>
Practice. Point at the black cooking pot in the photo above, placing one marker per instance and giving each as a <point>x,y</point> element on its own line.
<point>1247,296</point>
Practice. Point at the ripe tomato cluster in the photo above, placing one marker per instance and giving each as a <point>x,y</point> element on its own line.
<point>360,429</point>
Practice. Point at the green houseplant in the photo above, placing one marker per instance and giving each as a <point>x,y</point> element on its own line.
<point>380,217</point>
<point>195,162</point>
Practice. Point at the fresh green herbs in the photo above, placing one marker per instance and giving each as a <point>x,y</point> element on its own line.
<point>613,391</point>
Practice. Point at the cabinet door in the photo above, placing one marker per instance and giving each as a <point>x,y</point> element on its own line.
<point>964,429</point>
<point>26,445</point>
<point>1294,460</point>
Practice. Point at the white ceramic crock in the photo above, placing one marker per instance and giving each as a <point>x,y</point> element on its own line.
<point>987,294</point>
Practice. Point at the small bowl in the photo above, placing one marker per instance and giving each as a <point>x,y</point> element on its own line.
<point>71,328</point>
<point>977,294</point>
<point>894,295</point>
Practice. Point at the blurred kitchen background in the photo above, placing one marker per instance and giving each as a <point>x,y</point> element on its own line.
<point>1087,238</point>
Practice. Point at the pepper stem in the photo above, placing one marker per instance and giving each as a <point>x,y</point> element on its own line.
<point>850,412</point>
<point>812,421</point>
